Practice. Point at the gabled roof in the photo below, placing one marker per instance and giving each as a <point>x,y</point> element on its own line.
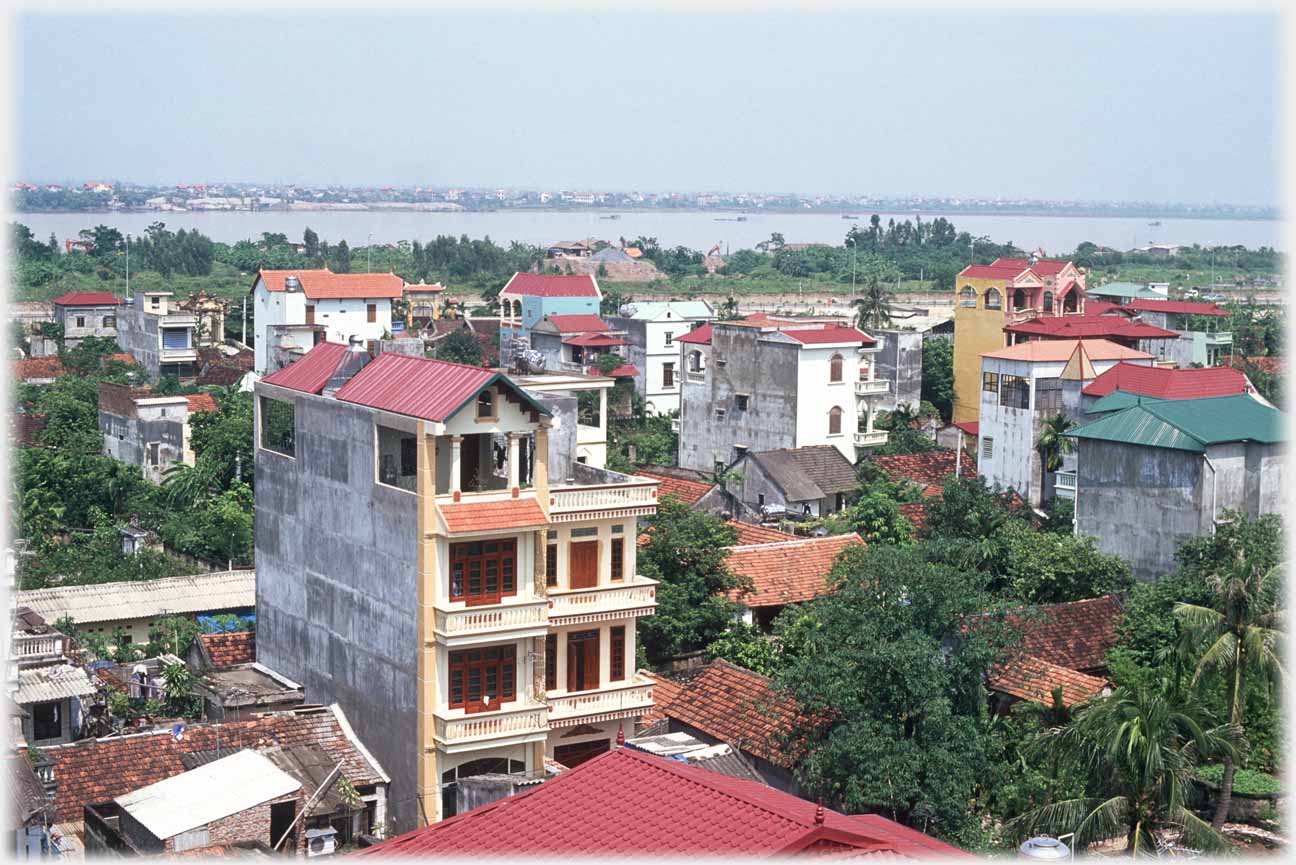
<point>1057,350</point>
<point>144,599</point>
<point>1124,290</point>
<point>788,572</point>
<point>687,491</point>
<point>87,298</point>
<point>829,335</point>
<point>1165,383</point>
<point>930,469</point>
<point>1089,327</point>
<point>916,514</point>
<point>324,284</point>
<point>429,389</point>
<point>683,310</point>
<point>1027,677</point>
<point>625,370</point>
<point>1181,306</point>
<point>1075,634</point>
<point>746,534</point>
<point>471,516</point>
<point>550,285</point>
<point>37,368</point>
<point>199,402</point>
<point>807,473</point>
<point>665,690</point>
<point>627,803</point>
<point>578,323</point>
<point>310,372</point>
<point>700,335</point>
<point>735,705</point>
<point>594,340</point>
<point>225,650</point>
<point>990,271</point>
<point>1189,424</point>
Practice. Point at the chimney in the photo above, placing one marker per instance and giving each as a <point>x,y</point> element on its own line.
<point>353,360</point>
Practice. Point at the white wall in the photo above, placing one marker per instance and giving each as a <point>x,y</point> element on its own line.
<point>342,318</point>
<point>816,396</point>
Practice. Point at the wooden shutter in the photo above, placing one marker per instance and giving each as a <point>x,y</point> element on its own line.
<point>582,564</point>
<point>617,671</point>
<point>618,558</point>
<point>310,314</point>
<point>591,671</point>
<point>551,662</point>
<point>371,312</point>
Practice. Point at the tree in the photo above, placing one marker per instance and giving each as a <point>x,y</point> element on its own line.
<point>873,308</point>
<point>1054,442</point>
<point>310,244</point>
<point>1239,634</point>
<point>938,375</point>
<point>459,346</point>
<point>1047,567</point>
<point>342,258</point>
<point>685,553</point>
<point>877,519</point>
<point>888,687</point>
<point>1138,748</point>
<point>746,646</point>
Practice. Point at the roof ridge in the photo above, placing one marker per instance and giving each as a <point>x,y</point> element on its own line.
<point>798,540</point>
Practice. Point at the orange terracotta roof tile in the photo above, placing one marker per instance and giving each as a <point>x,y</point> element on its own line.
<point>200,402</point>
<point>1076,634</point>
<point>1027,677</point>
<point>225,650</point>
<point>326,285</point>
<point>927,470</point>
<point>737,706</point>
<point>748,534</point>
<point>34,368</point>
<point>665,690</point>
<point>786,573</point>
<point>470,516</point>
<point>916,513</point>
<point>688,492</point>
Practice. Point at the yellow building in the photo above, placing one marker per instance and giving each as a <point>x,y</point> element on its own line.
<point>988,297</point>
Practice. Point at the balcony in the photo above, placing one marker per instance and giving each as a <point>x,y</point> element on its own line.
<point>1219,338</point>
<point>571,503</point>
<point>695,375</point>
<point>34,646</point>
<point>1064,485</point>
<point>578,606</point>
<point>591,707</point>
<point>177,355</point>
<point>864,439</point>
<point>465,627</point>
<point>872,387</point>
<point>525,723</point>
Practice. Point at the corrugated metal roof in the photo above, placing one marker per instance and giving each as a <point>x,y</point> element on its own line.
<point>140,599</point>
<point>1057,350</point>
<point>429,389</point>
<point>1118,401</point>
<point>1168,383</point>
<point>312,371</point>
<point>551,285</point>
<point>45,684</point>
<point>1189,424</point>
<point>648,310</point>
<point>198,797</point>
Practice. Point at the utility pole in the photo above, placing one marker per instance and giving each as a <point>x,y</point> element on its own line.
<point>369,255</point>
<point>243,337</point>
<point>128,294</point>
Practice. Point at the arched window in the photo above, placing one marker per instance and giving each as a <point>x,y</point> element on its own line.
<point>993,300</point>
<point>834,421</point>
<point>695,361</point>
<point>967,296</point>
<point>835,368</point>
<point>1048,301</point>
<point>1019,299</point>
<point>517,309</point>
<point>1071,303</point>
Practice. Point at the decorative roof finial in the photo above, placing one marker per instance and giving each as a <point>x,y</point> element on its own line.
<point>620,739</point>
<point>819,813</point>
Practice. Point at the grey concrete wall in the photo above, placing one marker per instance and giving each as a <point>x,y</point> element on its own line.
<point>126,439</point>
<point>636,348</point>
<point>411,346</point>
<point>562,433</point>
<point>767,371</point>
<point>550,345</point>
<point>900,362</point>
<point>93,315</point>
<point>336,584</point>
<point>137,333</point>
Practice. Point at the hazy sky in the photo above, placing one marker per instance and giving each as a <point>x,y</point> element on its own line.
<point>993,104</point>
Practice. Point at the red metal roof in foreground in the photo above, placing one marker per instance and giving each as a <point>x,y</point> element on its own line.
<point>312,371</point>
<point>1182,306</point>
<point>629,803</point>
<point>1166,383</point>
<point>830,334</point>
<point>415,386</point>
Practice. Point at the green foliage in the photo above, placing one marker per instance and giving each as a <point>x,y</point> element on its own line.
<point>970,510</point>
<point>1053,442</point>
<point>460,347</point>
<point>651,437</point>
<point>341,262</point>
<point>219,528</point>
<point>938,375</point>
<point>1060,516</point>
<point>892,697</point>
<point>1246,782</point>
<point>685,554</point>
<point>876,518</point>
<point>166,252</point>
<point>223,438</point>
<point>746,646</point>
<point>171,635</point>
<point>1047,567</point>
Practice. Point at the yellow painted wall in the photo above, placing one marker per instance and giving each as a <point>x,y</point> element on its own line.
<point>975,331</point>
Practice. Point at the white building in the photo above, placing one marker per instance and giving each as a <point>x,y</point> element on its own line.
<point>1022,387</point>
<point>650,332</point>
<point>296,309</point>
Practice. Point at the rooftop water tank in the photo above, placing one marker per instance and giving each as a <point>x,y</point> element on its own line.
<point>1043,849</point>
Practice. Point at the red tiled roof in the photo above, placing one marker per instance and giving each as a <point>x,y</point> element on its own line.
<point>327,285</point>
<point>737,706</point>
<point>1041,267</point>
<point>930,469</point>
<point>664,691</point>
<point>1165,383</point>
<point>627,803</point>
<point>1075,635</point>
<point>96,770</point>
<point>88,298</point>
<point>30,368</point>
<point>549,285</point>
<point>916,513</point>
<point>126,357</point>
<point>594,340</point>
<point>699,335</point>
<point>1103,307</point>
<point>416,386</point>
<point>1027,677</point>
<point>625,370</point>
<point>578,323</point>
<point>748,534</point>
<point>788,572</point>
<point>312,371</point>
<point>971,427</point>
<point>225,650</point>
<point>1089,327</point>
<point>688,492</point>
<point>470,516</point>
<point>200,402</point>
<point>830,334</point>
<point>990,271</point>
<point>1182,306</point>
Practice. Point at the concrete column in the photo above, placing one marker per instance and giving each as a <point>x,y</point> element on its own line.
<point>540,470</point>
<point>869,422</point>
<point>513,460</point>
<point>428,776</point>
<point>456,474</point>
<point>603,415</point>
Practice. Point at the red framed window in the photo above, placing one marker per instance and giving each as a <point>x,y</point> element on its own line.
<point>835,368</point>
<point>551,662</point>
<point>617,663</point>
<point>551,565</point>
<point>618,558</point>
<point>483,572</point>
<point>483,679</point>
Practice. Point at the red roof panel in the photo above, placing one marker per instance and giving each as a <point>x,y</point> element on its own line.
<point>790,572</point>
<point>327,285</point>
<point>594,340</point>
<point>990,271</point>
<point>625,370</point>
<point>578,323</point>
<point>1027,677</point>
<point>930,469</point>
<point>225,650</point>
<point>88,298</point>
<point>470,516</point>
<point>312,371</point>
<point>686,491</point>
<point>1166,383</point>
<point>1181,306</point>
<point>1089,327</point>
<point>550,285</point>
<point>830,334</point>
<point>416,386</point>
<point>700,335</point>
<point>200,402</point>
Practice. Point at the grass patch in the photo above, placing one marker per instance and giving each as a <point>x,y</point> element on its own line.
<point>1246,782</point>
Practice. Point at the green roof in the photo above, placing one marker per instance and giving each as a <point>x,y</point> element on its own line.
<point>1125,289</point>
<point>1188,424</point>
<point>1119,399</point>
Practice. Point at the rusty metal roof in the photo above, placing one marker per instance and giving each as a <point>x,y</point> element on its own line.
<point>430,389</point>
<point>312,371</point>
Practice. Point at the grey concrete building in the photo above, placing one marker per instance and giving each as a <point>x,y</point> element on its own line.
<point>160,338</point>
<point>1158,473</point>
<point>143,429</point>
<point>650,329</point>
<point>86,313</point>
<point>899,362</point>
<point>809,481</point>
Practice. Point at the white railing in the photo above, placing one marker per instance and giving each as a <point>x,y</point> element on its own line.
<point>1219,337</point>
<point>636,696</point>
<point>492,725</point>
<point>871,387</point>
<point>870,439</point>
<point>1064,484</point>
<point>32,646</point>
<point>592,498</point>
<point>169,354</point>
<point>642,593</point>
<point>675,425</point>
<point>695,376</point>
<point>482,620</point>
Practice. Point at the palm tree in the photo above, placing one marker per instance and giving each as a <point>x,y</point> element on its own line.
<point>1139,749</point>
<point>873,309</point>
<point>1240,640</point>
<point>1053,444</point>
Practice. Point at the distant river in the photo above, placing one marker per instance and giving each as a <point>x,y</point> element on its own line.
<point>694,229</point>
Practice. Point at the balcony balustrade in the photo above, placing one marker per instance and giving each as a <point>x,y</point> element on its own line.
<point>611,702</point>
<point>571,503</point>
<point>872,387</point>
<point>604,601</point>
<point>865,439</point>
<point>492,620</point>
<point>524,720</point>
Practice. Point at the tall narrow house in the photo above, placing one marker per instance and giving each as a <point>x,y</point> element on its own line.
<point>433,557</point>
